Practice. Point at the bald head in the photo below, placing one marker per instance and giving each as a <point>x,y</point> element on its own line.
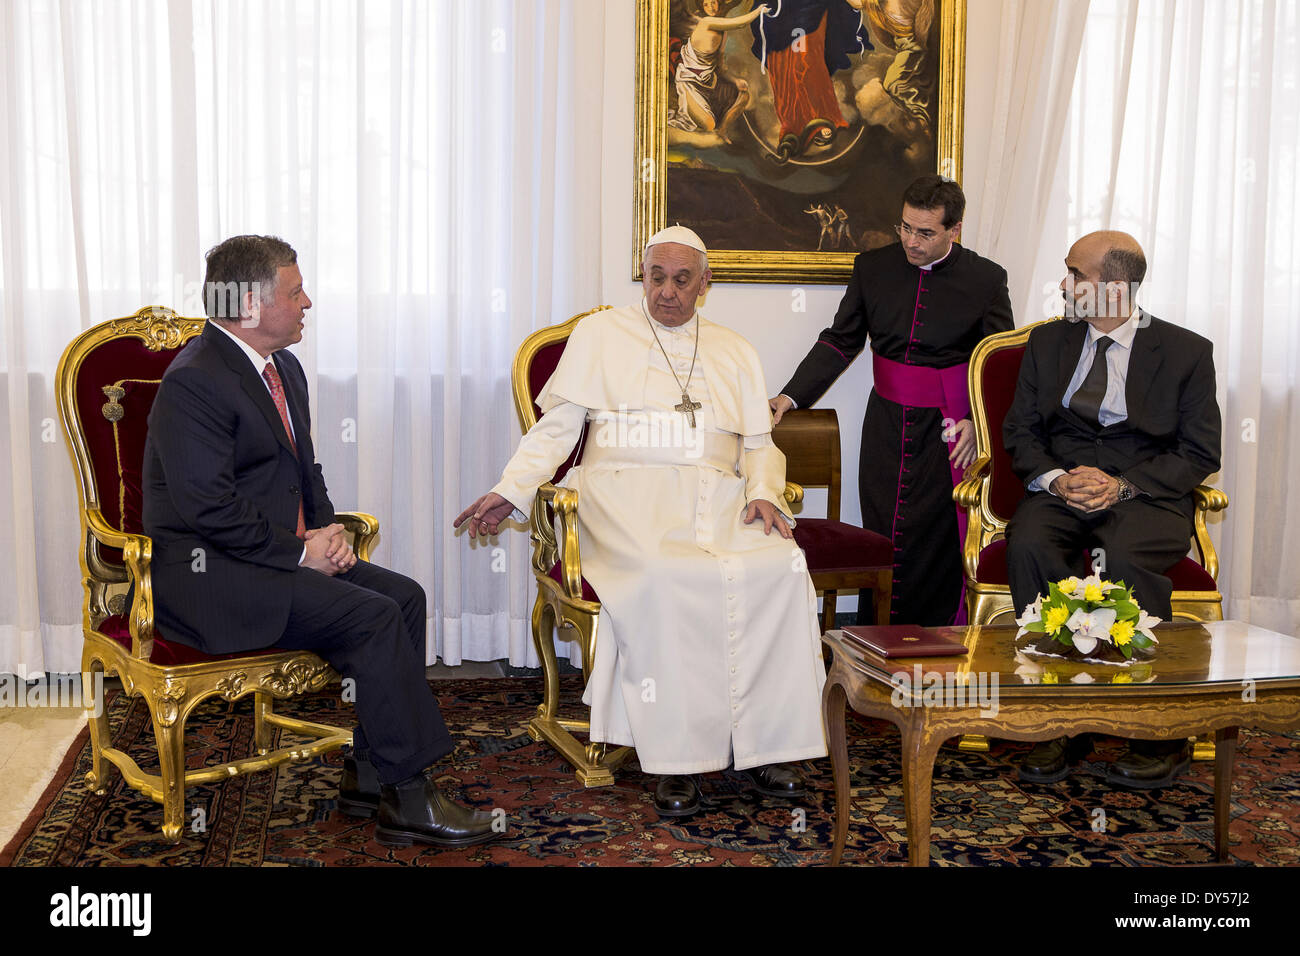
<point>1103,272</point>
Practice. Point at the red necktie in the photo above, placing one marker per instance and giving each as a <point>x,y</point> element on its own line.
<point>277,393</point>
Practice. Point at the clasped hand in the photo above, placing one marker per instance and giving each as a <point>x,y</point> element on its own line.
<point>1086,488</point>
<point>328,550</point>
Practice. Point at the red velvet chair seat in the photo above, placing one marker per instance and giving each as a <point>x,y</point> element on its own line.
<point>836,546</point>
<point>1187,575</point>
<point>587,593</point>
<point>170,653</point>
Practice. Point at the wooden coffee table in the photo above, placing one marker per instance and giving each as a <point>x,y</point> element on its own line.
<point>1217,676</point>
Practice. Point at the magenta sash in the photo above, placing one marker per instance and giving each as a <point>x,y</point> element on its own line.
<point>941,388</point>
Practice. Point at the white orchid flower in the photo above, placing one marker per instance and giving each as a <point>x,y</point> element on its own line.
<point>1033,614</point>
<point>1145,623</point>
<point>1089,627</point>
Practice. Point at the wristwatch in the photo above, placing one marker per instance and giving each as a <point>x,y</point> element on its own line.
<point>1126,490</point>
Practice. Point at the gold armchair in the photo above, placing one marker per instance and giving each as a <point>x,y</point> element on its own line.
<point>990,492</point>
<point>123,361</point>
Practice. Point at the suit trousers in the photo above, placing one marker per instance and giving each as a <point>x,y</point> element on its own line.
<point>369,624</point>
<point>1139,540</point>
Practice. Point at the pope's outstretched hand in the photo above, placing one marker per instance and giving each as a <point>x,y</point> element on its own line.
<point>485,515</point>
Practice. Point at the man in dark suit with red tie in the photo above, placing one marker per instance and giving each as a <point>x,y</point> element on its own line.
<point>1114,423</point>
<point>247,554</point>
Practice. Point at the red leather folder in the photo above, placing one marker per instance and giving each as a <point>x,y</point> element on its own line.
<point>904,640</point>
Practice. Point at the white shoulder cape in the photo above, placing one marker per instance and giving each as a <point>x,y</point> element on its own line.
<point>608,354</point>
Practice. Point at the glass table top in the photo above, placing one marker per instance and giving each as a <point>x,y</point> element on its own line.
<point>1205,654</point>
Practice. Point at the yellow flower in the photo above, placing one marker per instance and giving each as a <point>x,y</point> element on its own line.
<point>1055,619</point>
<point>1122,632</point>
<point>1068,585</point>
<point>1093,592</point>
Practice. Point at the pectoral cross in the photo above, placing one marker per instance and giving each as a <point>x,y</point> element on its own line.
<point>688,407</point>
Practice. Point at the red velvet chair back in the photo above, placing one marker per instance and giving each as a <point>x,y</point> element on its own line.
<point>111,377</point>
<point>998,389</point>
<point>535,362</point>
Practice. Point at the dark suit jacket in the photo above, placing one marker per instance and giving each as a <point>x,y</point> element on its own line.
<point>1168,444</point>
<point>220,477</point>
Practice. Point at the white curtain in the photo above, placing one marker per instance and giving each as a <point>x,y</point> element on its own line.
<point>431,162</point>
<point>1031,49</point>
<point>1184,130</point>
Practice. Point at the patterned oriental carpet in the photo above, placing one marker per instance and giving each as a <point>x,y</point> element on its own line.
<point>982,815</point>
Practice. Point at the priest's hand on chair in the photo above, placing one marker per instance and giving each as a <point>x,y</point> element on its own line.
<point>779,405</point>
<point>772,518</point>
<point>962,438</point>
<point>485,515</point>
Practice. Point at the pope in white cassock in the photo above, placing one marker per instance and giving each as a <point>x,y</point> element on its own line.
<point>679,489</point>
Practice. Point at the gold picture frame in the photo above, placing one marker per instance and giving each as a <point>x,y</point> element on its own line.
<point>685,166</point>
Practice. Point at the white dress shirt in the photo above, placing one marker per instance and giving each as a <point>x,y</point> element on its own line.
<point>1114,407</point>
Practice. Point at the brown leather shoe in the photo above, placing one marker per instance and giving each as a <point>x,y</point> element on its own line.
<point>677,795</point>
<point>777,780</point>
<point>1052,760</point>
<point>359,788</point>
<point>1147,771</point>
<point>418,812</point>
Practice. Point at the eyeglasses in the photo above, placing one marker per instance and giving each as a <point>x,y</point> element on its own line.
<point>906,232</point>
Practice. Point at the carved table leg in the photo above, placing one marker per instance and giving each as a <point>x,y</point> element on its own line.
<point>1225,749</point>
<point>919,752</point>
<point>833,700</point>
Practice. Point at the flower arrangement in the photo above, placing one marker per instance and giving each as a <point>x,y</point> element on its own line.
<point>1089,618</point>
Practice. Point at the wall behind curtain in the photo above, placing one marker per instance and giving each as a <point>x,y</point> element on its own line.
<point>429,161</point>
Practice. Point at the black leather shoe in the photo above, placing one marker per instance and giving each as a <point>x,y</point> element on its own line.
<point>677,795</point>
<point>1147,771</point>
<point>359,788</point>
<point>1052,760</point>
<point>418,812</point>
<point>776,780</point>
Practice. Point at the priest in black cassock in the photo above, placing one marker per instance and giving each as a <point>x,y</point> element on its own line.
<point>924,303</point>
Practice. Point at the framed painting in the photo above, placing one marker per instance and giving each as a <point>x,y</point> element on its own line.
<point>785,131</point>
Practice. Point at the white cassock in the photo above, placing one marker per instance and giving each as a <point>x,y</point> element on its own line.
<point>708,647</point>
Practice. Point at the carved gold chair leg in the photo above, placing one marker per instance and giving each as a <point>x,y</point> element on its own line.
<point>973,743</point>
<point>262,708</point>
<point>1203,747</point>
<point>543,628</point>
<point>100,733</point>
<point>171,762</point>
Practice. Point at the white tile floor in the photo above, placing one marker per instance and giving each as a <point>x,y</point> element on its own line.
<point>34,740</point>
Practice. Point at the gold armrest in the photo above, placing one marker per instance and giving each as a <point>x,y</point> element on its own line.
<point>364,529</point>
<point>793,493</point>
<point>967,491</point>
<point>1209,499</point>
<point>137,554</point>
<point>564,501</point>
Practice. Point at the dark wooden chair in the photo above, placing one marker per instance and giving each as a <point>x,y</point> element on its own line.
<point>840,556</point>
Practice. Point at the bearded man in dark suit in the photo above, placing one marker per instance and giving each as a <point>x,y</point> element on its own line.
<point>230,474</point>
<point>1114,423</point>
